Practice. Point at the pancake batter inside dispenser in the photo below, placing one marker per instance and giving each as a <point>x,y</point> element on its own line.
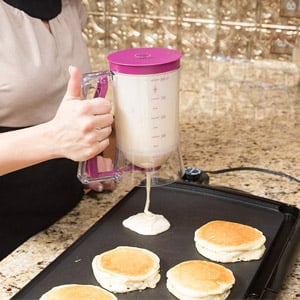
<point>145,85</point>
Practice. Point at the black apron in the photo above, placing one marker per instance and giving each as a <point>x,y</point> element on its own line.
<point>34,198</point>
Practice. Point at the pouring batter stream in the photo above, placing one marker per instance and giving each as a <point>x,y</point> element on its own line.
<point>146,222</point>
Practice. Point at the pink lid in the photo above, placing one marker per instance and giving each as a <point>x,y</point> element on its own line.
<point>144,60</point>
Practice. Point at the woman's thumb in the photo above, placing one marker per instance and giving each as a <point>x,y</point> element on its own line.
<point>74,84</point>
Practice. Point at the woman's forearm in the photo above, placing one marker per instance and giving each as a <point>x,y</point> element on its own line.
<point>25,147</point>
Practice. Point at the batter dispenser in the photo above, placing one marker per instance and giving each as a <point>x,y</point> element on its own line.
<point>145,84</point>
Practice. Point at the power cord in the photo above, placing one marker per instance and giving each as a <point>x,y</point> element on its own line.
<point>195,174</point>
<point>277,173</point>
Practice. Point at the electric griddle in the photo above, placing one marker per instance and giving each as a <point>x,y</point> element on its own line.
<point>187,206</point>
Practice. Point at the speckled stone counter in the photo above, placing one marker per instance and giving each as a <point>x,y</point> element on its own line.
<point>233,114</point>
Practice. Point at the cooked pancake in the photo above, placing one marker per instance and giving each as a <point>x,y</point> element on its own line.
<point>125,269</point>
<point>198,279</point>
<point>77,292</point>
<point>224,241</point>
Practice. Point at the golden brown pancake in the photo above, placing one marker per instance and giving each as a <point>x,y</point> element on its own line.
<point>116,261</point>
<point>126,269</point>
<point>226,241</point>
<point>77,292</point>
<point>198,279</point>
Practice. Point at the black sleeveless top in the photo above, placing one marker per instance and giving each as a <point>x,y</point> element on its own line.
<point>35,197</point>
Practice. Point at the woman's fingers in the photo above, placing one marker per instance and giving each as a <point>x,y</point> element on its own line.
<point>97,106</point>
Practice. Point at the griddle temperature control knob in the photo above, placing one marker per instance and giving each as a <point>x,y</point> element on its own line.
<point>192,174</point>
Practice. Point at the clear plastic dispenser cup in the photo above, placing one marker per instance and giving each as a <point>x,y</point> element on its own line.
<point>145,85</point>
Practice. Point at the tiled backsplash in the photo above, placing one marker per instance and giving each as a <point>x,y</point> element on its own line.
<point>243,29</point>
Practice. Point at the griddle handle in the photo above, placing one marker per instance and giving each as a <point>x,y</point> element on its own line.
<point>286,259</point>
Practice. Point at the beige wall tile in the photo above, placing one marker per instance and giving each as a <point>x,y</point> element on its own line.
<point>239,29</point>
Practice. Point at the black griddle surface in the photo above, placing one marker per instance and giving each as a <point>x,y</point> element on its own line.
<point>187,207</point>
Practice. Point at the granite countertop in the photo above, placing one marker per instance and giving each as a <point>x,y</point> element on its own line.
<point>233,114</point>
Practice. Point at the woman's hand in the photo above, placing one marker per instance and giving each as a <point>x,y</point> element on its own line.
<point>80,128</point>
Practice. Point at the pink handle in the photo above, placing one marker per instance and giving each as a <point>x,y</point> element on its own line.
<point>101,90</point>
<point>102,86</point>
